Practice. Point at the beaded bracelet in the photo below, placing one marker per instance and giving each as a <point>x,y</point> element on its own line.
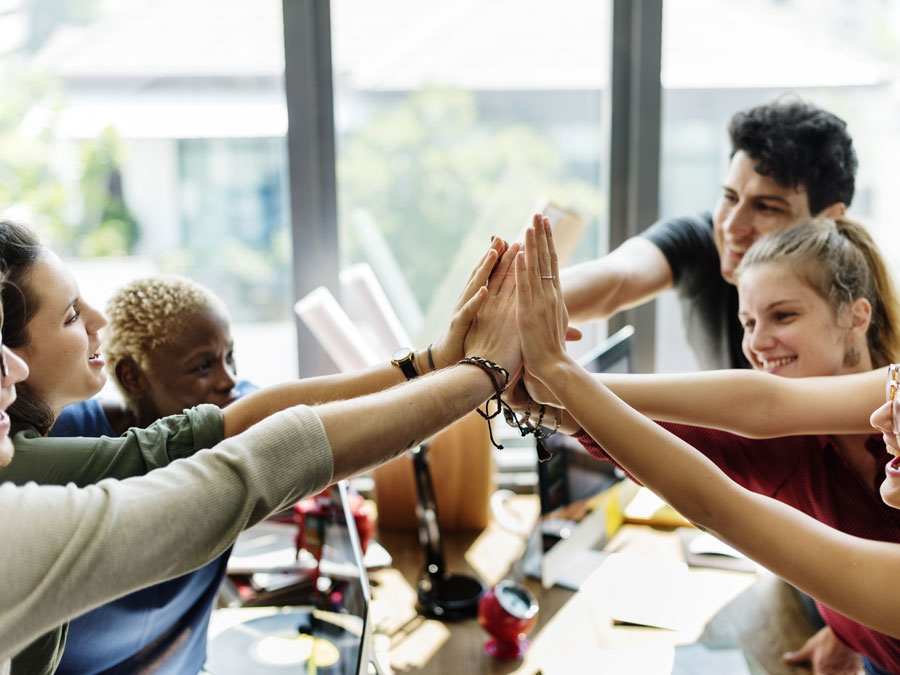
<point>536,429</point>
<point>490,368</point>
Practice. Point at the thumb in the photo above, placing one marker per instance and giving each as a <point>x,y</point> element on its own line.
<point>467,312</point>
<point>802,655</point>
<point>573,334</point>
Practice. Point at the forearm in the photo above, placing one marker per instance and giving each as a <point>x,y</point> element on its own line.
<point>371,430</point>
<point>630,275</point>
<point>754,404</point>
<point>591,290</point>
<point>69,549</point>
<point>254,407</point>
<point>793,545</point>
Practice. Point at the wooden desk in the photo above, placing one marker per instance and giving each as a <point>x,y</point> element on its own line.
<point>758,611</point>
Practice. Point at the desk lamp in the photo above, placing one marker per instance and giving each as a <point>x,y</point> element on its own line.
<point>441,594</point>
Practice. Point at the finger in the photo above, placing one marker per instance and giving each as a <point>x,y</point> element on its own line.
<point>500,246</point>
<point>881,418</point>
<point>551,247</point>
<point>479,276</point>
<point>796,658</point>
<point>523,287</point>
<point>532,265</point>
<point>573,334</point>
<point>503,274</point>
<point>466,314</point>
<point>540,232</point>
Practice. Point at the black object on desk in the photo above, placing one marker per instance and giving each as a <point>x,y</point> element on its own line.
<point>441,594</point>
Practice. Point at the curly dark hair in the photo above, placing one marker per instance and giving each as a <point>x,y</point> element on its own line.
<point>796,144</point>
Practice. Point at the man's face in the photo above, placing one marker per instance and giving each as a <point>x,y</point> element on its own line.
<point>750,206</point>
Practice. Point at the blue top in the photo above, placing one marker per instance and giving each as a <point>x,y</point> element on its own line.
<point>161,628</point>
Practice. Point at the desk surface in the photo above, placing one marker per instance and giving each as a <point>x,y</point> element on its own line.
<point>758,611</point>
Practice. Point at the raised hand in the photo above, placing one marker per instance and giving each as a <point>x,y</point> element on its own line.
<point>449,347</point>
<point>492,334</point>
<point>541,313</point>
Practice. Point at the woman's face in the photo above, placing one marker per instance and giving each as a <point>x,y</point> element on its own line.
<point>882,419</point>
<point>790,330</point>
<point>15,371</point>
<point>196,366</point>
<point>63,345</point>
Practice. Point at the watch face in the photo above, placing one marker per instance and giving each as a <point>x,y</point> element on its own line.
<point>516,599</point>
<point>401,354</point>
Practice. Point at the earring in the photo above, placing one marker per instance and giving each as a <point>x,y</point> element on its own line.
<point>852,357</point>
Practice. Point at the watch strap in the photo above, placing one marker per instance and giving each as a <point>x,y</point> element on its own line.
<point>403,359</point>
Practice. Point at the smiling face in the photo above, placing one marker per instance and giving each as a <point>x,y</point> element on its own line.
<point>63,341</point>
<point>750,206</point>
<point>196,366</point>
<point>791,330</point>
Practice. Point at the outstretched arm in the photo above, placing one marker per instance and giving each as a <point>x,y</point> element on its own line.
<point>800,549</point>
<point>745,402</point>
<point>628,276</point>
<point>447,350</point>
<point>69,549</point>
<point>755,404</point>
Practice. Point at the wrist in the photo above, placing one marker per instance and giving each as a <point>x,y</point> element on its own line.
<point>420,362</point>
<point>552,372</point>
<point>497,374</point>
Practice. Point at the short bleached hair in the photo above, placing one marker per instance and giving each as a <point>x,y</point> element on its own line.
<point>145,314</point>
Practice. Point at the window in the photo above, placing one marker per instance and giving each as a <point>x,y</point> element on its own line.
<point>723,56</point>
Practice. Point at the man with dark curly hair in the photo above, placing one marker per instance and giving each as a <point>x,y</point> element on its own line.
<point>790,160</point>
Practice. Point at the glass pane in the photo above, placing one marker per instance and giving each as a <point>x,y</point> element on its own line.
<point>148,135</point>
<point>455,121</point>
<point>841,56</point>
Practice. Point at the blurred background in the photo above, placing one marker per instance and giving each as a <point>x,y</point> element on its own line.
<point>144,135</point>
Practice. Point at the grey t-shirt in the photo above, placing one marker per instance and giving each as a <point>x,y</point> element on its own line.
<point>709,304</point>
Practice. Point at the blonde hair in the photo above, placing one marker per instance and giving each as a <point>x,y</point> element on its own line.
<point>840,261</point>
<point>146,313</point>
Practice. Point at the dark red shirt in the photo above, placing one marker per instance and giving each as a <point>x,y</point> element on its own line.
<point>810,474</point>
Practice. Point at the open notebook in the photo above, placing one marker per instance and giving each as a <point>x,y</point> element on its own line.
<point>334,635</point>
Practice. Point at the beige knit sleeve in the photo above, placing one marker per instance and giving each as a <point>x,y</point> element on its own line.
<point>64,550</point>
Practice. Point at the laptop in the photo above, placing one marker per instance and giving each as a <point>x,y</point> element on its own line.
<point>333,634</point>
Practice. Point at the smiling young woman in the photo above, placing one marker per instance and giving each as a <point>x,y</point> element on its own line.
<point>716,479</point>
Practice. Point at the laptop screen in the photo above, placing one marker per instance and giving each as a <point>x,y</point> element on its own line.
<point>330,635</point>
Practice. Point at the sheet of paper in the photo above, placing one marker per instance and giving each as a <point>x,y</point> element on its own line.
<point>702,658</point>
<point>647,590</point>
<point>645,660</point>
<point>705,543</point>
